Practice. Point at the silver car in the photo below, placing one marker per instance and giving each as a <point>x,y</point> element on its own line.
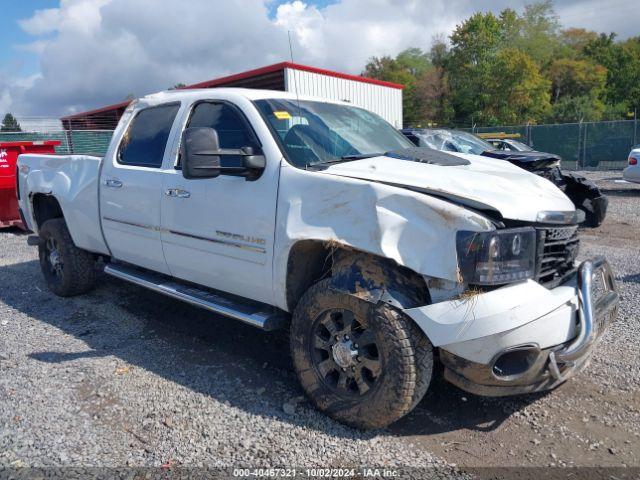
<point>632,172</point>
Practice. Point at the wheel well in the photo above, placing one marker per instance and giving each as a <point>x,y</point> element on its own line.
<point>309,261</point>
<point>354,271</point>
<point>45,207</point>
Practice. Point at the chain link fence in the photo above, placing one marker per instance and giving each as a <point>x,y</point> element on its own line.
<point>583,146</point>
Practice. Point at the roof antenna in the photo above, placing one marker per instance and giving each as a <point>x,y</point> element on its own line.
<point>295,82</point>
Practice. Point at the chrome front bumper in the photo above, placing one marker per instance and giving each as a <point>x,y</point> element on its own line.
<point>594,315</point>
<point>597,307</point>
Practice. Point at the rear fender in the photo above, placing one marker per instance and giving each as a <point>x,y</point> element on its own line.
<point>73,181</point>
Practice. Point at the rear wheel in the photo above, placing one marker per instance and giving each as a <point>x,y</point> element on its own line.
<point>364,365</point>
<point>67,269</point>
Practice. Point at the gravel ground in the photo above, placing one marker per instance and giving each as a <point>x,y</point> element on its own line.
<point>125,377</point>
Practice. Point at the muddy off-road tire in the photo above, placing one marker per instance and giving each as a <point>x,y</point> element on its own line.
<point>67,270</point>
<point>363,364</point>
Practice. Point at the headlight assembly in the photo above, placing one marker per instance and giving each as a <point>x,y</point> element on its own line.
<point>563,218</point>
<point>497,257</point>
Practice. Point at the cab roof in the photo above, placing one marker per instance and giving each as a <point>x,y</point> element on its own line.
<point>190,95</point>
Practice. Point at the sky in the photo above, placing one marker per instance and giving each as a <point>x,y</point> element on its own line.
<point>64,56</point>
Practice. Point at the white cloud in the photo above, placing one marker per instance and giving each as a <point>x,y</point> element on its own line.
<point>13,89</point>
<point>100,51</point>
<point>345,34</point>
<point>36,47</point>
<point>42,22</point>
<point>72,15</point>
<point>619,16</point>
<point>94,52</point>
<point>305,23</point>
<point>5,100</point>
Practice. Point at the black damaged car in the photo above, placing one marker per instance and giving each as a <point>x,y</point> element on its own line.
<point>586,196</point>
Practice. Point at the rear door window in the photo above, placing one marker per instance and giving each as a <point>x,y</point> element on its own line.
<point>144,142</point>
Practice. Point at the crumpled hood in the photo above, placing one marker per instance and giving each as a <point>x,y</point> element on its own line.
<point>530,160</point>
<point>484,183</point>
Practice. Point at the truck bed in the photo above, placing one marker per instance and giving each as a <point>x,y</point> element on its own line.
<point>73,181</point>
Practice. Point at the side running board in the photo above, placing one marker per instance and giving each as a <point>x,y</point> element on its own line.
<point>257,314</point>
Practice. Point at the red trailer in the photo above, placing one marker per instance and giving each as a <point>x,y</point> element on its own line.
<point>9,151</point>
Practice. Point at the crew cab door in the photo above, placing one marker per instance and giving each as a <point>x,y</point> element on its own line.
<point>219,232</point>
<point>131,189</point>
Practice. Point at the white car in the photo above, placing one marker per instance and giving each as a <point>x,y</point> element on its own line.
<point>632,172</point>
<point>319,217</point>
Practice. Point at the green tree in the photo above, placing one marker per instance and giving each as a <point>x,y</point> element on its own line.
<point>414,61</point>
<point>10,124</point>
<point>632,45</point>
<point>405,69</point>
<point>491,78</point>
<point>576,78</point>
<point>475,39</point>
<point>517,92</point>
<point>576,109</point>
<point>439,51</point>
<point>575,39</point>
<point>622,61</point>
<point>432,91</point>
<point>511,26</point>
<point>432,87</point>
<point>577,87</point>
<point>539,34</point>
<point>473,44</point>
<point>516,67</point>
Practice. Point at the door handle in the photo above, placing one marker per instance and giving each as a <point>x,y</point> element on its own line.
<point>113,183</point>
<point>177,192</point>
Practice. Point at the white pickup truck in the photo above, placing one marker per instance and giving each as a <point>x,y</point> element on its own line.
<point>378,257</point>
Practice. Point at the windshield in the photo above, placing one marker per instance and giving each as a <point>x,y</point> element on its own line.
<point>317,132</point>
<point>453,141</point>
<point>519,146</point>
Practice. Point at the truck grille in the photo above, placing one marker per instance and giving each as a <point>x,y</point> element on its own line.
<point>557,251</point>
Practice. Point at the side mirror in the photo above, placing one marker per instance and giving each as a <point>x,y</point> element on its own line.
<point>198,153</point>
<point>202,157</point>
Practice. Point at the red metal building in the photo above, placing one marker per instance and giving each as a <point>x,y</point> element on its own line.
<point>383,98</point>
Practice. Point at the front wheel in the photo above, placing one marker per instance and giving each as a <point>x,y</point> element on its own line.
<point>364,365</point>
<point>67,269</point>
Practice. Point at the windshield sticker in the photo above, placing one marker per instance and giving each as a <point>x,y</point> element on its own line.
<point>282,115</point>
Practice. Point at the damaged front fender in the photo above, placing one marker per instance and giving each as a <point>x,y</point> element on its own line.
<point>412,229</point>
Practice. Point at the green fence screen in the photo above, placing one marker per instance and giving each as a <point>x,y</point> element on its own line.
<point>587,145</point>
<point>81,142</point>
